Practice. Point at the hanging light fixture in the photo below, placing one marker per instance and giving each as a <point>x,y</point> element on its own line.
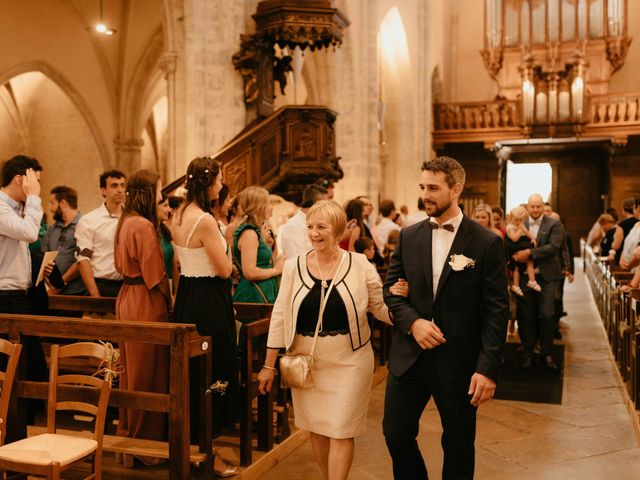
<point>101,27</point>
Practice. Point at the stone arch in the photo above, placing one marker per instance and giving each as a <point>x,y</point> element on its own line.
<point>75,97</point>
<point>141,94</point>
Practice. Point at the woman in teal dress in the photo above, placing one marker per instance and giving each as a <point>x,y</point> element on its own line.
<point>258,270</point>
<point>166,242</point>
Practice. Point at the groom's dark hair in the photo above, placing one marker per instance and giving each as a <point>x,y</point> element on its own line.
<point>454,173</point>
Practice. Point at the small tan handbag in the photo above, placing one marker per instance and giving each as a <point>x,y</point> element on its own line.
<point>296,370</point>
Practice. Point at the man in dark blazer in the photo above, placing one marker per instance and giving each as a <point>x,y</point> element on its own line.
<point>450,329</point>
<point>539,307</point>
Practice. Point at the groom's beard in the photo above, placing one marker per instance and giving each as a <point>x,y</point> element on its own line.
<point>439,209</point>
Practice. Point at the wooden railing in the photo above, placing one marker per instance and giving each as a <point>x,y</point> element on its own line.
<point>614,115</point>
<point>486,122</point>
<point>614,109</point>
<point>183,342</point>
<point>498,114</point>
<point>620,314</point>
<point>285,152</point>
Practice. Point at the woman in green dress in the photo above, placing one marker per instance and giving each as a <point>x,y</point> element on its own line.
<point>258,268</point>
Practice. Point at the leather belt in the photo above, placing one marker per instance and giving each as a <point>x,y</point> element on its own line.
<point>133,280</point>
<point>13,293</point>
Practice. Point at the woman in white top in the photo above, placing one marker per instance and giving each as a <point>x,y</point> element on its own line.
<point>334,409</point>
<point>204,294</point>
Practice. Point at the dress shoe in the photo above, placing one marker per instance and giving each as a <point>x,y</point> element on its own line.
<point>228,471</point>
<point>528,363</point>
<point>548,363</point>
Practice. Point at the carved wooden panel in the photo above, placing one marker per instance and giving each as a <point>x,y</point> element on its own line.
<point>305,139</point>
<point>235,171</point>
<point>268,151</point>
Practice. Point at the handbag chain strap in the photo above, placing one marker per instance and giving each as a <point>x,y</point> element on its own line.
<point>323,303</point>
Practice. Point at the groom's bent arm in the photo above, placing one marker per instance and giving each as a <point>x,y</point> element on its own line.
<point>495,310</point>
<point>404,314</point>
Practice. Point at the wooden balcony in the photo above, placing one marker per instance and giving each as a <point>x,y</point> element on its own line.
<point>485,122</point>
<point>288,150</point>
<point>613,115</point>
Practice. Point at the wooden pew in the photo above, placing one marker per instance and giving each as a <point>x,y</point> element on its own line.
<point>255,319</point>
<point>183,341</point>
<point>78,303</point>
<point>620,313</point>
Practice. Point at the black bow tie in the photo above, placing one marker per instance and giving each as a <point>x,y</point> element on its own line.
<point>447,226</point>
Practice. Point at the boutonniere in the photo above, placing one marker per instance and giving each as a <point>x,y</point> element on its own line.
<point>460,262</point>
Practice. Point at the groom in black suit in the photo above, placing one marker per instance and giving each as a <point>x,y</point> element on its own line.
<point>450,330</point>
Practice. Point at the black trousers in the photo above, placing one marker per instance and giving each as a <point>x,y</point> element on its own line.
<point>405,400</point>
<point>108,288</point>
<point>33,359</point>
<point>536,316</point>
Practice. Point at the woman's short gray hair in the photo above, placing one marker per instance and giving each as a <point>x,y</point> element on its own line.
<point>334,214</point>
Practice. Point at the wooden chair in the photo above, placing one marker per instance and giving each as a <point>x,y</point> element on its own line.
<point>49,454</point>
<point>12,350</point>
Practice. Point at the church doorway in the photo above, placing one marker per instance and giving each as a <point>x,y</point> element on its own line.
<point>576,182</point>
<point>525,178</point>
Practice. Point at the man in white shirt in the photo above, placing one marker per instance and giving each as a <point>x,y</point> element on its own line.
<point>387,209</point>
<point>95,237</point>
<point>20,216</point>
<point>294,239</point>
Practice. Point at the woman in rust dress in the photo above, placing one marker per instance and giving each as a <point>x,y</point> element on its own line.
<point>145,297</point>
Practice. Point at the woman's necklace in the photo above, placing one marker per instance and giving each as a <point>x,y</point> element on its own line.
<point>323,279</point>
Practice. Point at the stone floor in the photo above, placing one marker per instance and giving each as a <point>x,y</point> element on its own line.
<point>591,436</point>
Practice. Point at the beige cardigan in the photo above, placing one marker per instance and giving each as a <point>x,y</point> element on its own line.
<point>357,282</point>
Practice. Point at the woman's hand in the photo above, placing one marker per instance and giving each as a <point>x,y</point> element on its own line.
<point>278,264</point>
<point>400,288</point>
<point>265,380</point>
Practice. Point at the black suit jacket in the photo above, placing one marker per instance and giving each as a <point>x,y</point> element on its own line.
<point>471,306</point>
<point>549,249</point>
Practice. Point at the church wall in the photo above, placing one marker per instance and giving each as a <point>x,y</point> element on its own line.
<point>48,116</point>
<point>627,79</point>
<point>54,40</point>
<point>625,175</point>
<point>471,79</point>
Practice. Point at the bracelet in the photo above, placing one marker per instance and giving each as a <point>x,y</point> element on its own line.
<point>269,368</point>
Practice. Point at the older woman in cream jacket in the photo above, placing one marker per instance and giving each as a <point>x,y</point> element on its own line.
<point>334,409</point>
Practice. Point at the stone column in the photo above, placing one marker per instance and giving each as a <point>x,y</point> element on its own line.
<point>214,110</point>
<point>168,65</point>
<point>347,81</point>
<point>128,153</point>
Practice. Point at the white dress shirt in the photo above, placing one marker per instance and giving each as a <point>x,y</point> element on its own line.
<point>294,239</point>
<point>385,227</point>
<point>631,241</point>
<point>534,226</point>
<point>95,236</point>
<point>441,241</point>
<point>18,228</point>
